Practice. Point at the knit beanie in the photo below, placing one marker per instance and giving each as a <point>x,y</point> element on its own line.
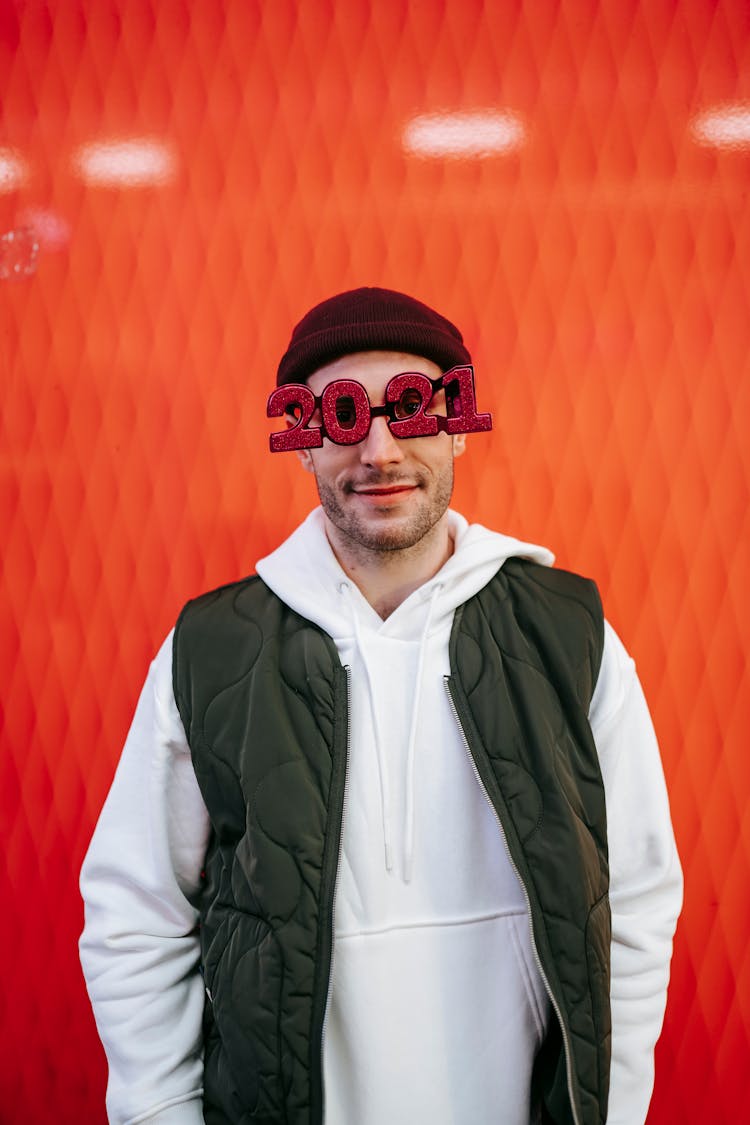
<point>369,319</point>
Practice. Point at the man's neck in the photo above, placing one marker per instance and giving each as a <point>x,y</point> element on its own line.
<point>387,578</point>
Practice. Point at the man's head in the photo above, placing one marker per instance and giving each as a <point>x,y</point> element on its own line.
<point>380,493</point>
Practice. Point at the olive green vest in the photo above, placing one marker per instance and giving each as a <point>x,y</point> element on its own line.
<point>263,699</point>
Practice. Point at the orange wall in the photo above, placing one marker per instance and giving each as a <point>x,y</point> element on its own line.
<point>181,181</point>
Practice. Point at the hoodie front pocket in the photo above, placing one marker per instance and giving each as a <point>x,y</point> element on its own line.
<point>519,933</point>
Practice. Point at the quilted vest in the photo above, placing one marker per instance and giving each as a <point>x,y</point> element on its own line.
<point>263,699</point>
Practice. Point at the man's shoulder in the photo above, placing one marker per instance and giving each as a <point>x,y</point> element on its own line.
<point>227,594</point>
<point>547,596</point>
<point>538,578</point>
<point>225,608</point>
<point>529,606</point>
<point>234,610</point>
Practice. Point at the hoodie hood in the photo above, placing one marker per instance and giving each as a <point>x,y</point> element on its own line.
<point>305,573</point>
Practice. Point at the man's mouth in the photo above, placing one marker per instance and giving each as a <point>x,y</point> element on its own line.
<point>382,489</point>
<point>385,496</point>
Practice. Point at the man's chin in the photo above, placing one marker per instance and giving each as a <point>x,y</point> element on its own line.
<point>385,530</point>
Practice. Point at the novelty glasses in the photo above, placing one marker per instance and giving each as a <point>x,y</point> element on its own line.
<point>347,413</point>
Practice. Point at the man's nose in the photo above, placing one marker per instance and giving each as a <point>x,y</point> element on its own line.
<point>380,447</point>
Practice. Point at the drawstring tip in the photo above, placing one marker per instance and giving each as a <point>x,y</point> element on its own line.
<point>388,857</point>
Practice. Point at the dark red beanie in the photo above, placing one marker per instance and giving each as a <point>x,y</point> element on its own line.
<point>369,319</point>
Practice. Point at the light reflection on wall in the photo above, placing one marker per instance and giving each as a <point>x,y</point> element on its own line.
<point>477,133</point>
<point>13,171</point>
<point>726,127</point>
<point>133,163</point>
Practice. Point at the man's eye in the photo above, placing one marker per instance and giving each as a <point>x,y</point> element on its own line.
<point>346,414</point>
<point>408,404</point>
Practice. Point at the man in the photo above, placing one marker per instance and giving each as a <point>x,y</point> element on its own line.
<point>356,864</point>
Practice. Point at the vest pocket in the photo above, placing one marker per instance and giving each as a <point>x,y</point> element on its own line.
<point>243,974</point>
<point>598,940</point>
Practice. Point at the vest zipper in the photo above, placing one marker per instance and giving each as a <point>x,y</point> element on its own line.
<point>537,958</point>
<point>348,671</point>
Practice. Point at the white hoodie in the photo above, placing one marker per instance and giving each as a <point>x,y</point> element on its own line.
<point>436,1006</point>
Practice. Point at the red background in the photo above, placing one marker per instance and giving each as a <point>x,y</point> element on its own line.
<point>594,250</point>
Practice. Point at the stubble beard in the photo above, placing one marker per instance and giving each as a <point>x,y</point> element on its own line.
<point>367,537</point>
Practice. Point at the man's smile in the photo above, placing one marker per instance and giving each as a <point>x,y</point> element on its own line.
<point>383,495</point>
<point>383,489</point>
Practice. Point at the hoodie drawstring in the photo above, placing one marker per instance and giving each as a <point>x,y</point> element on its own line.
<point>385,790</point>
<point>411,749</point>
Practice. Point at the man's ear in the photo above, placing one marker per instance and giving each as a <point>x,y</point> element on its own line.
<point>305,459</point>
<point>459,444</point>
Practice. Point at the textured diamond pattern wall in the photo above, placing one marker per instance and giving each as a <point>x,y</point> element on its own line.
<point>178,183</point>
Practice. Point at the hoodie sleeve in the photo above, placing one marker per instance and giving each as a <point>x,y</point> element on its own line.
<point>139,948</point>
<point>645,879</point>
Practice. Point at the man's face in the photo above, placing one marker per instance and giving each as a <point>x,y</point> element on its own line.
<point>384,493</point>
